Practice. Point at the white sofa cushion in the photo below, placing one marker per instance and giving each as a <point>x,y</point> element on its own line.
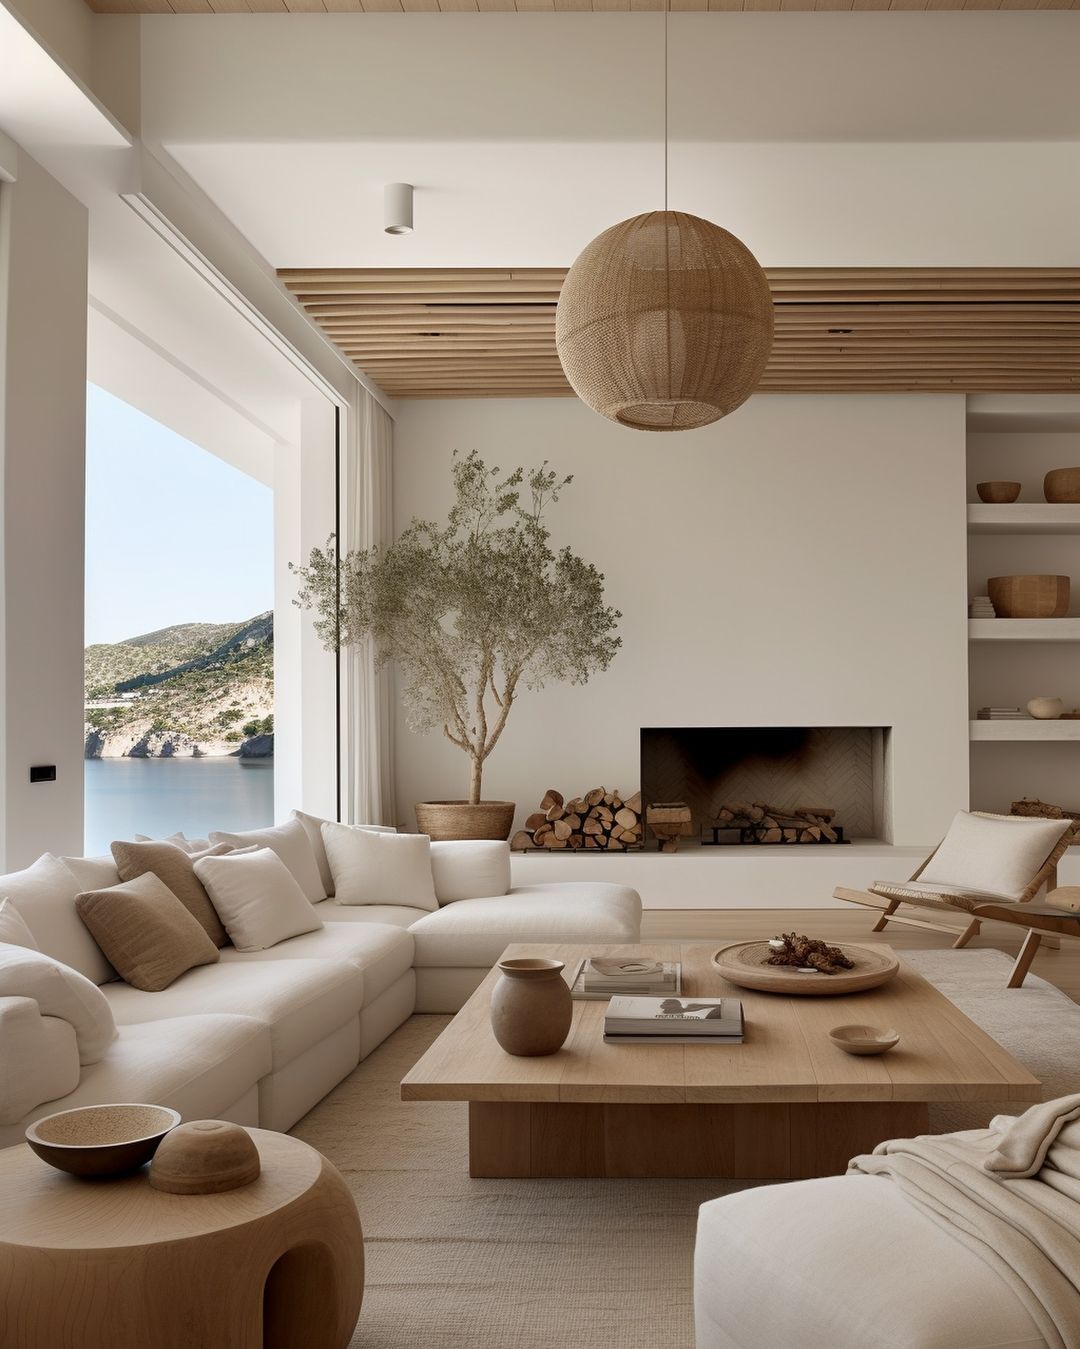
<point>198,1064</point>
<point>478,932</point>
<point>291,843</point>
<point>313,828</point>
<point>378,868</point>
<point>13,929</point>
<point>382,952</point>
<point>470,869</point>
<point>767,1261</point>
<point>301,1001</point>
<point>62,992</point>
<point>998,855</point>
<point>93,873</point>
<point>39,1060</point>
<point>257,898</point>
<point>398,915</point>
<point>44,895</point>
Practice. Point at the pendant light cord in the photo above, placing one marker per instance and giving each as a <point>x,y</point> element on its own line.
<point>667,12</point>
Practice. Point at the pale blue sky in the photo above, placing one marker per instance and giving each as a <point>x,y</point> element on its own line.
<point>173,533</point>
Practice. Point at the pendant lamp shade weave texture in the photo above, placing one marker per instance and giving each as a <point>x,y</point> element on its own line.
<point>665,322</point>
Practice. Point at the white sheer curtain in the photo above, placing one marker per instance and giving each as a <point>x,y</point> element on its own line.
<point>368,694</point>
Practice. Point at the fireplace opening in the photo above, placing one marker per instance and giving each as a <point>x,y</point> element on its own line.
<point>771,785</point>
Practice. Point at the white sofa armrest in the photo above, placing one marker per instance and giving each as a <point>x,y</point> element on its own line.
<point>39,1059</point>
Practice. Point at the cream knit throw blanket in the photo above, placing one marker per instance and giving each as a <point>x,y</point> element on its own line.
<point>1012,1194</point>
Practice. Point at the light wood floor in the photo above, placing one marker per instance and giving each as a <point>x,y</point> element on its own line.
<point>726,925</point>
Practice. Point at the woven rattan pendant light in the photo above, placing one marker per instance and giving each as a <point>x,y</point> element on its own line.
<point>665,321</point>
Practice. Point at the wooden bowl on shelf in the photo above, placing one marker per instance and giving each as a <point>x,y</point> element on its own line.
<point>1029,596</point>
<point>998,493</point>
<point>1062,484</point>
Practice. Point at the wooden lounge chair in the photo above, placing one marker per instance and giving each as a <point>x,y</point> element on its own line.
<point>1058,916</point>
<point>1009,859</point>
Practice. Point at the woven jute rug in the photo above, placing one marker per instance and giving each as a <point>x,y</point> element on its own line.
<point>454,1263</point>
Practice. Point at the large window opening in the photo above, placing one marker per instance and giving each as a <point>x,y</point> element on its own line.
<point>179,634</point>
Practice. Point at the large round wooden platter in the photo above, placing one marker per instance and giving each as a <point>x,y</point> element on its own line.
<point>745,964</point>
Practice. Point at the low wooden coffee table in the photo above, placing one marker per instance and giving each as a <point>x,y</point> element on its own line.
<point>785,1104</point>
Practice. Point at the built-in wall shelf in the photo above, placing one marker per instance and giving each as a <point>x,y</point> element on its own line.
<point>1026,730</point>
<point>1024,629</point>
<point>1024,517</point>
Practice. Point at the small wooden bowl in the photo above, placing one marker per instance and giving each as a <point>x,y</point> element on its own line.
<point>205,1156</point>
<point>101,1140</point>
<point>1029,596</point>
<point>1062,484</point>
<point>998,492</point>
<point>863,1039</point>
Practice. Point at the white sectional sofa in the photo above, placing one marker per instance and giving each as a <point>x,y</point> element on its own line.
<point>261,1036</point>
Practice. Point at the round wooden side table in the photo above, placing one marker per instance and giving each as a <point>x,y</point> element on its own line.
<point>115,1264</point>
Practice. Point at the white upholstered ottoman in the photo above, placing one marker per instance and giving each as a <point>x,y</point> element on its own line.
<point>845,1262</point>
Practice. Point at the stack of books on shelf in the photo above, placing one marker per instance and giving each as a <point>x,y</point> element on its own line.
<point>678,1021</point>
<point>601,977</point>
<point>1002,714</point>
<point>982,607</point>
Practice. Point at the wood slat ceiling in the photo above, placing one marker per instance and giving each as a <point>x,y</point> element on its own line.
<point>491,333</point>
<point>538,6</point>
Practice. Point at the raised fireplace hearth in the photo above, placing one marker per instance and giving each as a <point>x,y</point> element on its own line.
<point>762,785</point>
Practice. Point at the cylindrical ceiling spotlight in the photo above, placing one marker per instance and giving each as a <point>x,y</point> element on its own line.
<point>397,208</point>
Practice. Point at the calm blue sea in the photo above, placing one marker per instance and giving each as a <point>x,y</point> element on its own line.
<point>125,797</point>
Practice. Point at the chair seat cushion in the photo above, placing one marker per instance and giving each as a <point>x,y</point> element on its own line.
<point>301,1001</point>
<point>938,896</point>
<point>382,951</point>
<point>475,932</point>
<point>197,1064</point>
<point>844,1263</point>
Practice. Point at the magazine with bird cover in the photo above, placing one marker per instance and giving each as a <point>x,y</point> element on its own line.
<point>659,1017</point>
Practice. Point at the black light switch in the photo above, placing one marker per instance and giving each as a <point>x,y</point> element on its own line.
<point>43,772</point>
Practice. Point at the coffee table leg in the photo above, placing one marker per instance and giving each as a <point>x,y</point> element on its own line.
<point>738,1142</point>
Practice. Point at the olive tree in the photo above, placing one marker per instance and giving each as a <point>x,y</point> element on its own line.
<point>473,610</point>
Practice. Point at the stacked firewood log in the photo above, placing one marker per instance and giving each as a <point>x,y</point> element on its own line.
<point>771,824</point>
<point>599,819</point>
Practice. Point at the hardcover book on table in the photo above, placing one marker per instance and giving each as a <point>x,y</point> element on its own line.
<point>663,1018</point>
<point>599,978</point>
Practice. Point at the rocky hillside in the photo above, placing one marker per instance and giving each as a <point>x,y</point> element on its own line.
<point>194,689</point>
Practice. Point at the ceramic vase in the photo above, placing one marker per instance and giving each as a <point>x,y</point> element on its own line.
<point>1046,709</point>
<point>531,1007</point>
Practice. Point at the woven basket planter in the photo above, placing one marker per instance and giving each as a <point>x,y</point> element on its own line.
<point>447,820</point>
<point>665,322</point>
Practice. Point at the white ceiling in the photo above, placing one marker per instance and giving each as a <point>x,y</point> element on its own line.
<point>820,139</point>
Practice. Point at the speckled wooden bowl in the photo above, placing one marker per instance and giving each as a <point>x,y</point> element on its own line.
<point>101,1140</point>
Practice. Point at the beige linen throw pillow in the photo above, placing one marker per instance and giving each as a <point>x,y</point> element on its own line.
<point>149,936</point>
<point>175,869</point>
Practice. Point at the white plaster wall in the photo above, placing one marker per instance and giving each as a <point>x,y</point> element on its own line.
<point>801,562</point>
<point>305,727</point>
<point>43,252</point>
